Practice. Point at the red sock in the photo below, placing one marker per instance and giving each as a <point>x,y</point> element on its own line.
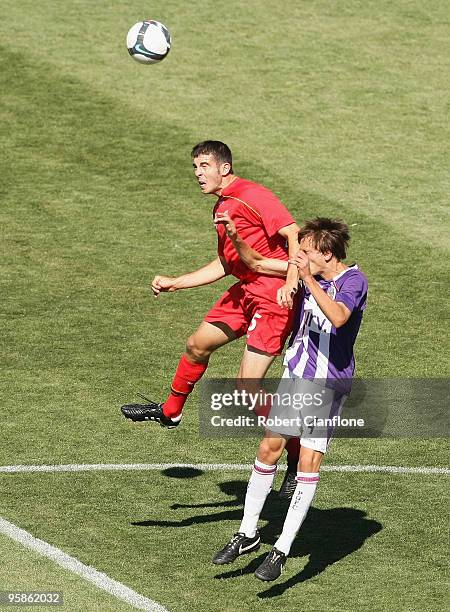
<point>187,374</point>
<point>293,452</point>
<point>263,408</point>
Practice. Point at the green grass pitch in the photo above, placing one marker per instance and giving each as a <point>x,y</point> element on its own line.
<point>342,110</point>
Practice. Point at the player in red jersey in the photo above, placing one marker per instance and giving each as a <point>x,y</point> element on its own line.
<point>250,306</point>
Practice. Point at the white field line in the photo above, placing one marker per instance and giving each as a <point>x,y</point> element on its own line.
<point>100,580</point>
<point>207,467</point>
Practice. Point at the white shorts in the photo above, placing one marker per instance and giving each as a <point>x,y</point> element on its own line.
<point>300,408</point>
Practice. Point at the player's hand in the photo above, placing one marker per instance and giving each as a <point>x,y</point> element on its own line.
<point>302,262</point>
<point>225,219</point>
<point>286,293</point>
<point>163,283</point>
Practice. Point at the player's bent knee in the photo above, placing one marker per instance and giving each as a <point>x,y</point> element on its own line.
<point>310,460</point>
<point>270,450</point>
<point>251,385</point>
<point>196,351</point>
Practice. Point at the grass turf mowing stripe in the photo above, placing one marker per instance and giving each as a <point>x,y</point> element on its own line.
<point>99,579</point>
<point>93,467</point>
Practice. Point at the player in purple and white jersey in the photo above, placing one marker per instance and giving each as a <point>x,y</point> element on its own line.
<point>319,363</point>
<point>320,350</point>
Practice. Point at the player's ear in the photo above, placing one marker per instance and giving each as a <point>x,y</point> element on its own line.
<point>225,169</point>
<point>328,256</point>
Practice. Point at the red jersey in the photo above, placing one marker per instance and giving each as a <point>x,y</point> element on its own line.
<point>258,215</point>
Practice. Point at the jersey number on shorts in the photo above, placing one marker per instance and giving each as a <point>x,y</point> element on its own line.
<point>253,322</point>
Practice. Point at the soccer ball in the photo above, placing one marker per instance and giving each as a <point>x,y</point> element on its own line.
<point>148,41</point>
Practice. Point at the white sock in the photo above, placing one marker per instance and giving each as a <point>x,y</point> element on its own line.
<point>258,489</point>
<point>300,503</point>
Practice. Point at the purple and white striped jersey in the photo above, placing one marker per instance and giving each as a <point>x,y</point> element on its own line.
<point>319,351</point>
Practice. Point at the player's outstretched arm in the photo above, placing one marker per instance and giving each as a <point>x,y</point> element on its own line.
<point>210,273</point>
<point>287,292</point>
<point>252,259</point>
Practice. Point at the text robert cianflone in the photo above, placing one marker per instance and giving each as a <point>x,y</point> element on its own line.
<point>308,421</point>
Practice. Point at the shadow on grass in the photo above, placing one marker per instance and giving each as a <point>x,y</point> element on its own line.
<point>326,536</point>
<point>182,472</point>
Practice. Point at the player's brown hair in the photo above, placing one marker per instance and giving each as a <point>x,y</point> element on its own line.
<point>220,150</point>
<point>327,235</point>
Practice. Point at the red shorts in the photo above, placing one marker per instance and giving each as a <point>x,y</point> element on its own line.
<point>266,324</point>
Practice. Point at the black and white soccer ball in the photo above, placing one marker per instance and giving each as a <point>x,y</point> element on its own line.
<point>148,42</point>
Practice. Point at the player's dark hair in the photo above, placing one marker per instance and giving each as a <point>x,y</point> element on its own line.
<point>220,150</point>
<point>327,235</point>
